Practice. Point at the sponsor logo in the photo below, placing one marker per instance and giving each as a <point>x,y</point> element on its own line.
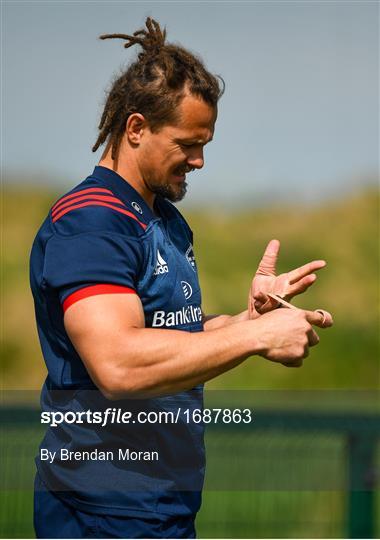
<point>186,315</point>
<point>191,258</point>
<point>187,290</point>
<point>137,207</point>
<point>161,265</point>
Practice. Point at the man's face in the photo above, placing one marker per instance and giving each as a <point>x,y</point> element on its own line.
<point>165,157</point>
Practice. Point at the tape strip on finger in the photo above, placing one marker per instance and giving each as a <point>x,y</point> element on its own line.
<point>324,315</point>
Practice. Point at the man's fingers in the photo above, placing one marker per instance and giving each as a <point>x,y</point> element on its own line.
<point>306,269</point>
<point>260,297</point>
<point>295,363</point>
<point>313,338</point>
<point>301,286</point>
<point>267,266</point>
<point>327,319</point>
<point>320,318</point>
<point>264,303</point>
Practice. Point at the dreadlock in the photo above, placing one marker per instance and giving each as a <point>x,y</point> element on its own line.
<point>153,85</point>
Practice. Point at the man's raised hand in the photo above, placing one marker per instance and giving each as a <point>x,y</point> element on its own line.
<point>286,285</point>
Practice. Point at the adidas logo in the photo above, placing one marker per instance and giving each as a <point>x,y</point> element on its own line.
<point>161,265</point>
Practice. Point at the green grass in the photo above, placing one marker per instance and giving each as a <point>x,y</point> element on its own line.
<point>266,514</point>
<point>16,514</point>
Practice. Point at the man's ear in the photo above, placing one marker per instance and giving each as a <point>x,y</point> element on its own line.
<point>136,124</point>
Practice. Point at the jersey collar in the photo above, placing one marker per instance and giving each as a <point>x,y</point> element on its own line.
<point>125,192</point>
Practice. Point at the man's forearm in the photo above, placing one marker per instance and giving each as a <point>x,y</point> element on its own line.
<point>212,322</point>
<point>153,362</point>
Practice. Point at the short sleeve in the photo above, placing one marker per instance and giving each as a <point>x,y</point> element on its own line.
<point>91,263</point>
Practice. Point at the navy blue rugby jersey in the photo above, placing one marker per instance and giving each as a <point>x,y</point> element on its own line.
<point>102,237</point>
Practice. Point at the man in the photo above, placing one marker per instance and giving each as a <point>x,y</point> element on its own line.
<point>118,310</point>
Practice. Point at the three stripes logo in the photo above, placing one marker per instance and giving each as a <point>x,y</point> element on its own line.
<point>161,265</point>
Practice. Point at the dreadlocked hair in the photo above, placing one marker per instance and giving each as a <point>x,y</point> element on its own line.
<point>154,85</point>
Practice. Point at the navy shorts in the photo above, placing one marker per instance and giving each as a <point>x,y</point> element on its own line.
<point>55,518</point>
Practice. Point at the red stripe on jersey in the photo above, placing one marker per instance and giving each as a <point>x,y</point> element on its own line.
<point>106,198</point>
<point>97,203</point>
<point>93,290</point>
<point>81,192</point>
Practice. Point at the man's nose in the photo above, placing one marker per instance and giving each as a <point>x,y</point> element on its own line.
<point>196,159</point>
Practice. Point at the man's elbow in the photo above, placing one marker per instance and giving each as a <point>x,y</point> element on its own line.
<point>112,394</point>
<point>116,386</point>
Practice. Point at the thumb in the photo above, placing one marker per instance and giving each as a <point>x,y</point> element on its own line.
<point>267,266</point>
<point>260,297</point>
<point>264,303</point>
<point>320,318</point>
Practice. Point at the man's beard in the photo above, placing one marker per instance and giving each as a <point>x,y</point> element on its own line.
<point>172,192</point>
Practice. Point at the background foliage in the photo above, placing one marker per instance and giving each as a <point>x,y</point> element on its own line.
<point>228,247</point>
